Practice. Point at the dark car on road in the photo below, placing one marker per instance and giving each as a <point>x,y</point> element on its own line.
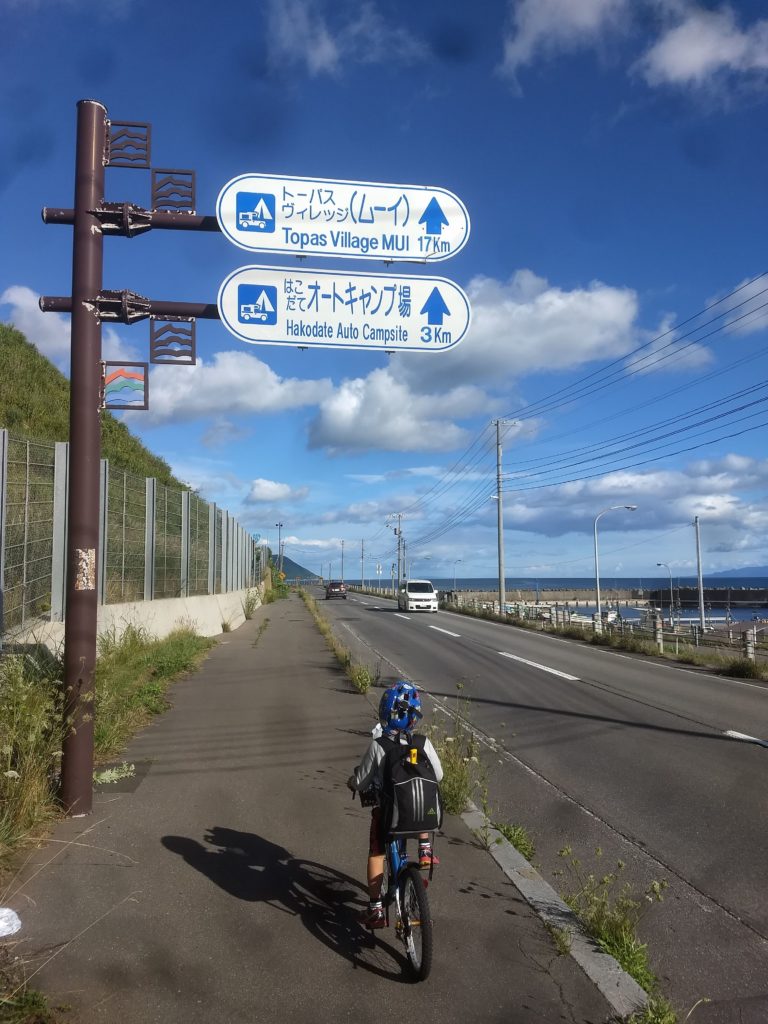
<point>335,590</point>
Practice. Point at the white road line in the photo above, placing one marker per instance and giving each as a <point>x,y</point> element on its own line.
<point>445,631</point>
<point>365,602</point>
<point>402,616</point>
<point>747,739</point>
<point>535,664</point>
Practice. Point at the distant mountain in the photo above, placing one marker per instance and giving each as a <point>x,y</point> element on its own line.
<point>747,570</point>
<point>294,571</point>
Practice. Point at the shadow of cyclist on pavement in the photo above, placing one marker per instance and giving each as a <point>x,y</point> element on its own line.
<point>326,901</point>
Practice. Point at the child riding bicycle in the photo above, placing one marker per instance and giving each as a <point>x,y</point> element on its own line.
<point>399,712</point>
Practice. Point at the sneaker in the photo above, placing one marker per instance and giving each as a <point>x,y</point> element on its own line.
<point>373,917</point>
<point>427,859</point>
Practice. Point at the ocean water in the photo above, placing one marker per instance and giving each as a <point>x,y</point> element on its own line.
<point>575,583</point>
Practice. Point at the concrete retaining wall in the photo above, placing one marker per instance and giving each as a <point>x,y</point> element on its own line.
<point>204,614</point>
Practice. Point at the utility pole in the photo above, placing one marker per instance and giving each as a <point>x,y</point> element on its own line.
<point>362,565</point>
<point>502,581</point>
<point>400,546</point>
<point>342,561</point>
<point>701,581</point>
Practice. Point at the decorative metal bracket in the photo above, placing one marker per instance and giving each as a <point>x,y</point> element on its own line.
<point>128,144</point>
<point>123,219</point>
<point>122,307</point>
<point>173,190</point>
<point>124,385</point>
<point>172,341</point>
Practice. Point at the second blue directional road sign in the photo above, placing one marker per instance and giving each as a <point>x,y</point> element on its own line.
<point>355,219</point>
<point>327,309</point>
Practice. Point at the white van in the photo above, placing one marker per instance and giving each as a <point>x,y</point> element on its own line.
<point>417,596</point>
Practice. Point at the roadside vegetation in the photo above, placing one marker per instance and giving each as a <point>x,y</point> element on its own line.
<point>133,673</point>
<point>362,677</point>
<point>275,589</point>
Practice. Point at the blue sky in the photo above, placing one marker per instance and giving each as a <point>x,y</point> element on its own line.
<point>612,157</point>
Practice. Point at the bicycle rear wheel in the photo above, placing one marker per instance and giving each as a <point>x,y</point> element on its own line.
<point>416,922</point>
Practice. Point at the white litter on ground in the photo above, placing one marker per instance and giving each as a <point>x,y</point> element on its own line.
<point>10,922</point>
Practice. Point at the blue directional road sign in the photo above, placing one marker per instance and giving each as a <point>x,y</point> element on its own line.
<point>327,309</point>
<point>356,219</point>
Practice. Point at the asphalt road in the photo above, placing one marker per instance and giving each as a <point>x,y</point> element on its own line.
<point>625,753</point>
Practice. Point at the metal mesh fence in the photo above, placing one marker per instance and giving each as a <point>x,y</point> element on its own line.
<point>28,532</point>
<point>167,543</point>
<point>199,517</point>
<point>126,538</point>
<point>33,497</point>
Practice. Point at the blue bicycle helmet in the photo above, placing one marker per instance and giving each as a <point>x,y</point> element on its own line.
<point>400,707</point>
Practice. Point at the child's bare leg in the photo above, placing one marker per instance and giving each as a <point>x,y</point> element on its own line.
<point>375,876</point>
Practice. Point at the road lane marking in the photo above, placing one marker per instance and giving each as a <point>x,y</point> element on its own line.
<point>747,739</point>
<point>400,616</point>
<point>535,664</point>
<point>365,602</point>
<point>445,631</point>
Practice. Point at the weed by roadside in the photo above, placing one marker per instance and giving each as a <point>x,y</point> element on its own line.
<point>262,626</point>
<point>519,837</point>
<point>250,602</point>
<point>18,1003</point>
<point>610,912</point>
<point>456,747</point>
<point>361,676</point>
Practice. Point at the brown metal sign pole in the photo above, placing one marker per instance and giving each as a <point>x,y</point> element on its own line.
<point>84,456</point>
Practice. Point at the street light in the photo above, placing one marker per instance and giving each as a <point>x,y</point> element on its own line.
<point>629,508</point>
<point>456,561</point>
<point>279,547</point>
<point>671,597</point>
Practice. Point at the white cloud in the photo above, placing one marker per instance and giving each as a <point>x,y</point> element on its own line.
<point>299,34</point>
<point>380,412</point>
<point>666,351</point>
<point>526,325</point>
<point>233,382</point>
<point>749,305</point>
<point>706,44</point>
<point>262,490</point>
<point>557,26</point>
<point>50,332</point>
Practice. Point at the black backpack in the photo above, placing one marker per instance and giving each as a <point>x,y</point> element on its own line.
<point>410,797</point>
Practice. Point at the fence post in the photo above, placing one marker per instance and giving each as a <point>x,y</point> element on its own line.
<point>184,572</point>
<point>59,540</point>
<point>750,635</point>
<point>150,506</point>
<point>224,552</point>
<point>103,517</point>
<point>3,489</point>
<point>658,623</point>
<point>211,547</point>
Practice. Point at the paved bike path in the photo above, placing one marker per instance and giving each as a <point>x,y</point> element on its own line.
<point>222,882</point>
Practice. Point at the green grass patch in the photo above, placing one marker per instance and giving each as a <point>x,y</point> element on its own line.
<point>30,746</point>
<point>362,677</point>
<point>133,673</point>
<point>520,838</point>
<point>250,602</point>
<point>741,668</point>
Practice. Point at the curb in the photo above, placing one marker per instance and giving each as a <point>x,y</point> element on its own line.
<point>620,990</point>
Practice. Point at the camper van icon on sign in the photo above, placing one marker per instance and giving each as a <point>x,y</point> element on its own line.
<point>255,211</point>
<point>257,303</point>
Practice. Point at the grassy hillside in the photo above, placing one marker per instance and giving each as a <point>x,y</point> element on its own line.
<point>34,403</point>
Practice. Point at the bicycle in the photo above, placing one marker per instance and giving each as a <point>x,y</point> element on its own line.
<point>404,887</point>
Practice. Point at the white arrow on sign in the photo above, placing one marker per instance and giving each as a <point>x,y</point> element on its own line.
<point>328,309</point>
<point>358,219</point>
